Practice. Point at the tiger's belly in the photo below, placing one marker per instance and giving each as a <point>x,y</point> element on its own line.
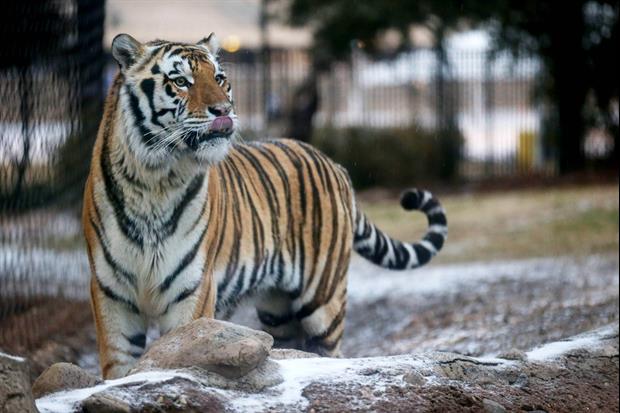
<point>251,277</point>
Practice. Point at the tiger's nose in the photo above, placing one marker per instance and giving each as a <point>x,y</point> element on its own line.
<point>221,109</point>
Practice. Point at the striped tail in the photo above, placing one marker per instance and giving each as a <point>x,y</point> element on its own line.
<point>382,250</point>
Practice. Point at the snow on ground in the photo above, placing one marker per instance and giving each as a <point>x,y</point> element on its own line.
<point>66,400</point>
<point>299,373</point>
<point>369,283</point>
<point>556,349</point>
<point>10,357</point>
<point>296,374</point>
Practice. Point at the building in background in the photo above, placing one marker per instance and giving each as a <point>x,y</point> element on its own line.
<point>492,99</point>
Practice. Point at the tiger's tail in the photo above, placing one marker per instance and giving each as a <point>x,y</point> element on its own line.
<point>374,245</point>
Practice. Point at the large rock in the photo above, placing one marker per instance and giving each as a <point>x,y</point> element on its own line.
<point>174,395</point>
<point>216,346</point>
<point>62,376</point>
<point>577,374</point>
<point>15,393</point>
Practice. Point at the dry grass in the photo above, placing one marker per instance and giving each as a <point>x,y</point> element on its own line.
<point>515,224</point>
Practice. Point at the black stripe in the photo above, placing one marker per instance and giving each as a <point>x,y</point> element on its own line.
<point>437,219</point>
<point>273,320</point>
<point>430,204</point>
<point>402,255</point>
<point>296,161</point>
<point>258,232</point>
<point>317,346</point>
<point>424,255</point>
<point>182,296</point>
<point>238,290</point>
<point>199,217</point>
<point>169,227</point>
<point>114,195</point>
<point>169,91</point>
<point>233,204</point>
<point>269,189</point>
<point>138,340</point>
<point>317,217</point>
<point>107,291</point>
<point>272,159</point>
<point>436,239</point>
<point>187,259</point>
<point>130,178</point>
<point>336,321</point>
<point>148,60</point>
<point>148,87</point>
<point>116,268</point>
<point>139,118</point>
<point>381,246</point>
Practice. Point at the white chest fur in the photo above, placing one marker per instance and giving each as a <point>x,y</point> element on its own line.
<point>161,257</point>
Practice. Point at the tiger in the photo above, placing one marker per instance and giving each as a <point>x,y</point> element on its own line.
<point>182,218</point>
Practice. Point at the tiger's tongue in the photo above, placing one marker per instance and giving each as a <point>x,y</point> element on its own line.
<point>221,124</point>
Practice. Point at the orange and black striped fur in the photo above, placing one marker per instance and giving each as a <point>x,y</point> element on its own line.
<point>181,222</point>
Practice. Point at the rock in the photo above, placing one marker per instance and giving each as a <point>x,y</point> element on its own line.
<point>176,395</point>
<point>105,403</point>
<point>513,354</point>
<point>415,378</point>
<point>15,392</point>
<point>212,345</point>
<point>466,369</point>
<point>62,376</point>
<point>584,378</point>
<point>491,406</point>
<point>289,353</point>
<point>267,374</point>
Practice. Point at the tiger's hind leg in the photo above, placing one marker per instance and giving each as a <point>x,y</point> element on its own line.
<point>322,317</point>
<point>274,310</point>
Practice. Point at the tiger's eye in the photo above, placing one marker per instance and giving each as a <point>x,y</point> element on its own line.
<point>219,78</point>
<point>180,82</point>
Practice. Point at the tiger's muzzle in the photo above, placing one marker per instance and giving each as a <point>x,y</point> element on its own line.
<point>221,127</point>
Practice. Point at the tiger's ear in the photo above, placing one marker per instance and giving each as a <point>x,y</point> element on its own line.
<point>126,50</point>
<point>211,43</point>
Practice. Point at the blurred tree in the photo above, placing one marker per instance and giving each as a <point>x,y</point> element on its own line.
<point>576,41</point>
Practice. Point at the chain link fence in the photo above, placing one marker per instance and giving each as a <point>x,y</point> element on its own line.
<point>51,67</point>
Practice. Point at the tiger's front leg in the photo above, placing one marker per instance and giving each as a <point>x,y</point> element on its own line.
<point>188,303</point>
<point>121,330</point>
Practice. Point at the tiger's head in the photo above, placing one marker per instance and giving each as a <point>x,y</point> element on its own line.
<point>176,98</point>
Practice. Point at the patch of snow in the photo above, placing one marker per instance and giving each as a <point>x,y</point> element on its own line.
<point>10,357</point>
<point>66,401</point>
<point>556,349</point>
<point>369,283</point>
<point>299,373</point>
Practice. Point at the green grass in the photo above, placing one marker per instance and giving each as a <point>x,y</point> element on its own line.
<point>515,224</point>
